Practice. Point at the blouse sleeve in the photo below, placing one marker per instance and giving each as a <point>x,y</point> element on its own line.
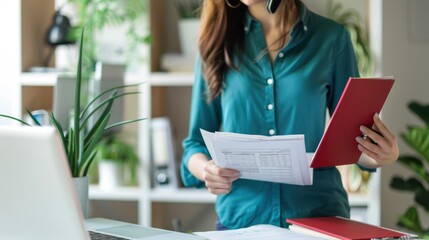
<point>203,115</point>
<point>345,67</point>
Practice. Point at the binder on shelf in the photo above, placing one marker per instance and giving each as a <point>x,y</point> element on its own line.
<point>164,167</point>
<point>343,228</point>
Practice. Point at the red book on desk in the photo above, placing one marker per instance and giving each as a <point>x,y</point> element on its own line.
<point>343,228</point>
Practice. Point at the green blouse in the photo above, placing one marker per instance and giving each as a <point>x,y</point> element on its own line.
<point>289,96</point>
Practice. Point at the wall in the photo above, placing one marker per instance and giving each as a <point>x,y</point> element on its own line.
<point>319,6</point>
<point>10,59</point>
<point>407,59</point>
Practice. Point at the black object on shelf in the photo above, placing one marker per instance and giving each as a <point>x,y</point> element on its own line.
<point>57,34</point>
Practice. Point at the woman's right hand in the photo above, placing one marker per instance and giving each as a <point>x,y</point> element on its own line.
<point>218,180</point>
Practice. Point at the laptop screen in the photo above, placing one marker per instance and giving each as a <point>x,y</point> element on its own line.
<point>37,196</point>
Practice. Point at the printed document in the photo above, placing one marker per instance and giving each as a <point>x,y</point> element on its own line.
<point>256,232</point>
<point>281,159</point>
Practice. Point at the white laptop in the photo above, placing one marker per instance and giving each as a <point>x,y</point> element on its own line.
<point>37,196</point>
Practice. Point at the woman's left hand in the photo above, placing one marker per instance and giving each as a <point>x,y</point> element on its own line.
<point>379,144</point>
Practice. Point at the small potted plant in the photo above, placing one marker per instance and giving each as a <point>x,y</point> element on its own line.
<point>80,139</point>
<point>188,25</point>
<point>117,163</point>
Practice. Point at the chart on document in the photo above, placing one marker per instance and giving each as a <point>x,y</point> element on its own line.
<point>276,159</point>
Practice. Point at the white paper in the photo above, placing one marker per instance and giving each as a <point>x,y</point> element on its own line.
<point>275,159</point>
<point>256,232</point>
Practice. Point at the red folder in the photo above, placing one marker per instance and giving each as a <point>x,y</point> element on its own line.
<point>345,229</point>
<point>361,99</point>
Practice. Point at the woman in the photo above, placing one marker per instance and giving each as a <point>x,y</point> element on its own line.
<point>272,74</point>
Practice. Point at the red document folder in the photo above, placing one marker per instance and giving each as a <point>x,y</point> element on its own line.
<point>345,229</point>
<point>361,99</point>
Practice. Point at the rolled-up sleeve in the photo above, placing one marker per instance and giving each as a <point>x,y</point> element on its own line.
<point>203,115</point>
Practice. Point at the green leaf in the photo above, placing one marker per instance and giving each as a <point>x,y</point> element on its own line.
<point>13,118</point>
<point>94,141</point>
<point>99,130</point>
<point>33,117</point>
<point>418,139</point>
<point>109,101</point>
<point>93,130</point>
<point>352,21</point>
<point>411,184</point>
<point>422,111</point>
<point>103,94</point>
<point>100,105</point>
<point>422,198</point>
<point>76,123</point>
<point>410,220</point>
<point>123,123</point>
<point>88,163</point>
<point>415,165</point>
<point>60,130</point>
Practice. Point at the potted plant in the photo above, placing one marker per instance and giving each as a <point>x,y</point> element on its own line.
<point>416,137</point>
<point>188,26</point>
<point>352,21</point>
<point>115,158</point>
<point>80,139</point>
<point>125,17</point>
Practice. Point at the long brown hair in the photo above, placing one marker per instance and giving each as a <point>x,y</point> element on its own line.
<point>221,36</point>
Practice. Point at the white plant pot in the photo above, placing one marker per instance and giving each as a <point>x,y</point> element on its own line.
<point>82,186</point>
<point>109,175</point>
<point>188,36</point>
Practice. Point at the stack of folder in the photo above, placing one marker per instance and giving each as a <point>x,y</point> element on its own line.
<point>343,228</point>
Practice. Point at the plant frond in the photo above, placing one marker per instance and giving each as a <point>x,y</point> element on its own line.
<point>114,96</point>
<point>33,117</point>
<point>422,198</point>
<point>60,130</point>
<point>88,163</point>
<point>103,94</point>
<point>77,103</point>
<point>412,184</point>
<point>93,143</point>
<point>422,111</point>
<point>15,119</point>
<point>411,220</point>
<point>93,130</point>
<point>124,122</point>
<point>418,139</point>
<point>415,165</point>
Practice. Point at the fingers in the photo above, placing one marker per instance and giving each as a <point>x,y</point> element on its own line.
<point>224,172</point>
<point>218,180</point>
<point>379,143</point>
<point>383,129</point>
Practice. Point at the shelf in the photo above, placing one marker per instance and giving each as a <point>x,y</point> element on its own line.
<point>118,194</point>
<point>182,196</point>
<point>358,200</point>
<point>165,79</point>
<point>155,195</point>
<point>39,79</point>
<point>49,79</point>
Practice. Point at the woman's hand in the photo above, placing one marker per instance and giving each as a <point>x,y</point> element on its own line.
<point>218,180</point>
<point>381,147</point>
